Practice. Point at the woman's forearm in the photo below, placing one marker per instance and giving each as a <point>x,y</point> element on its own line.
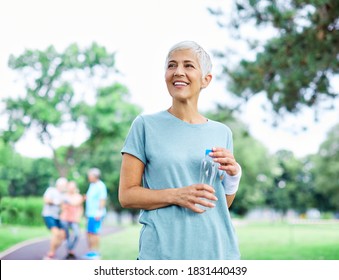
<point>132,194</point>
<point>139,197</point>
<point>229,199</point>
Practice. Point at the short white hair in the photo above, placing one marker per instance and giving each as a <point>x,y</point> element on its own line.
<point>61,181</point>
<point>204,59</point>
<point>95,172</point>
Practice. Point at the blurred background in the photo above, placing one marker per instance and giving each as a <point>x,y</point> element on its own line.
<point>74,75</point>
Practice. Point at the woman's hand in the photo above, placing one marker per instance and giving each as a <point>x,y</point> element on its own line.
<point>190,196</point>
<point>226,160</point>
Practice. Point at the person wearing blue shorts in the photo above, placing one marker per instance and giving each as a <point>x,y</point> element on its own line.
<point>52,222</point>
<point>53,198</point>
<point>93,225</point>
<point>95,211</point>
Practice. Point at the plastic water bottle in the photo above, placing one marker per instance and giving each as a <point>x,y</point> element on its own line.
<point>208,172</point>
<point>208,169</point>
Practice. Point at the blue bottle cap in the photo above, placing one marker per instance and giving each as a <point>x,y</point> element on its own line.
<point>207,152</point>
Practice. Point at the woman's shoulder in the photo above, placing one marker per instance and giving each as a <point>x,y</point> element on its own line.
<point>156,115</point>
<point>150,117</point>
<point>220,125</point>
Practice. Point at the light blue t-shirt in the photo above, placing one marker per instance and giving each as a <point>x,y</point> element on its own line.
<point>96,192</point>
<point>172,150</point>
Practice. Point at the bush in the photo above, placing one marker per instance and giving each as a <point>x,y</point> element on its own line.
<point>21,211</point>
<point>327,215</point>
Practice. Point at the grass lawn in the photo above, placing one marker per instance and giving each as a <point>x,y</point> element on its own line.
<point>282,241</point>
<point>13,234</point>
<point>257,241</point>
<point>123,245</point>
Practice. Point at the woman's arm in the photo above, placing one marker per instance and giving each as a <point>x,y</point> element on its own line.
<point>229,199</point>
<point>133,195</point>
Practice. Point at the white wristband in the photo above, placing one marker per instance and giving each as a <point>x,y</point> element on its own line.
<point>231,183</point>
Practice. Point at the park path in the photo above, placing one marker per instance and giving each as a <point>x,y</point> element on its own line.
<point>37,248</point>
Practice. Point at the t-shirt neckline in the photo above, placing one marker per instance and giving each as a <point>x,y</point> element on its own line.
<point>184,122</point>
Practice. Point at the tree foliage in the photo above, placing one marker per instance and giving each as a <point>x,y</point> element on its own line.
<point>296,65</point>
<point>326,170</point>
<point>108,122</point>
<point>293,186</point>
<point>21,176</point>
<point>55,84</point>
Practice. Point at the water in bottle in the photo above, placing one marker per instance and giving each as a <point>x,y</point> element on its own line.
<point>208,172</point>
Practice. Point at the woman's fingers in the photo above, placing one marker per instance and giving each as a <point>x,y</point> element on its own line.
<point>198,194</point>
<point>226,160</point>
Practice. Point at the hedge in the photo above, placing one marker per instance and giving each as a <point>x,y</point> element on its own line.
<point>21,210</point>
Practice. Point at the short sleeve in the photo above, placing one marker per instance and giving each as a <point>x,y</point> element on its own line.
<point>103,191</point>
<point>135,140</point>
<point>49,193</point>
<point>229,144</point>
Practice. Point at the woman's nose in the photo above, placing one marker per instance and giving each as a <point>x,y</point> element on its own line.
<point>179,71</point>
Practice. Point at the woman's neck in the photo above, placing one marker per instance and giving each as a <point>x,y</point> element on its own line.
<point>187,114</point>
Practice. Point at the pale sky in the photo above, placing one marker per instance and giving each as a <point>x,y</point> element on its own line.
<point>140,32</point>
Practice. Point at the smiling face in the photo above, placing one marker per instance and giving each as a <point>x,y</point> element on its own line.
<point>184,76</point>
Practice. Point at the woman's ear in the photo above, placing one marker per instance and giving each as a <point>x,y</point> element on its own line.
<point>206,80</point>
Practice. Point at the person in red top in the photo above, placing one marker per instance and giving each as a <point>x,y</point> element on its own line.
<point>71,213</point>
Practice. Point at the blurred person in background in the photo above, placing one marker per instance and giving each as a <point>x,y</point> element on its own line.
<point>53,198</point>
<point>71,213</point>
<point>95,211</point>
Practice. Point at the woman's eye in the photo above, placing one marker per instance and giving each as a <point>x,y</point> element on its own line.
<point>189,65</point>
<point>172,65</point>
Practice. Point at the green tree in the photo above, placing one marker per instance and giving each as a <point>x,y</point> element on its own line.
<point>305,196</point>
<point>21,176</point>
<point>293,184</point>
<point>326,170</point>
<point>108,122</point>
<point>295,66</point>
<point>41,175</point>
<point>6,153</point>
<point>55,83</point>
